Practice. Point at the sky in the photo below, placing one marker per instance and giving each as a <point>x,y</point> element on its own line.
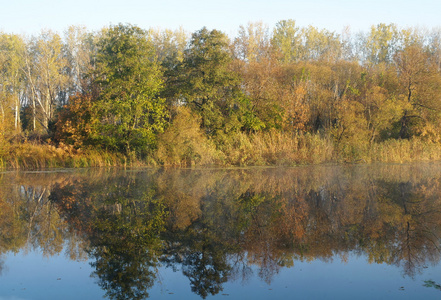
<point>31,16</point>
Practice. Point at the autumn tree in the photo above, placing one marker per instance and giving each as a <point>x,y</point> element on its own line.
<point>379,44</point>
<point>77,122</point>
<point>255,64</point>
<point>286,40</point>
<point>320,44</point>
<point>308,43</point>
<point>371,88</point>
<point>419,89</point>
<point>252,43</point>
<point>434,47</point>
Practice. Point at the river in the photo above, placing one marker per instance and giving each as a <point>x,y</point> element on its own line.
<point>312,232</point>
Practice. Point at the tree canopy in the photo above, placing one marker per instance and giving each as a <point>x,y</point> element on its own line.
<point>125,89</point>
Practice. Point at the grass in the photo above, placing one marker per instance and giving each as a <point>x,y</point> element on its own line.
<point>402,151</point>
<point>276,148</point>
<point>29,155</point>
<point>239,149</point>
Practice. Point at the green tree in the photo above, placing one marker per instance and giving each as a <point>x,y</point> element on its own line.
<point>128,79</point>
<point>205,80</point>
<point>125,244</point>
<point>169,45</point>
<point>286,39</point>
<point>381,43</point>
<point>121,218</point>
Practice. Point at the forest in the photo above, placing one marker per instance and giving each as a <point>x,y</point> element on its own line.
<point>286,95</point>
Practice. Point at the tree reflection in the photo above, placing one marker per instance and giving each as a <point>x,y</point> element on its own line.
<point>2,265</point>
<point>124,245</point>
<point>122,225</point>
<point>416,222</point>
<point>221,225</point>
<point>28,219</point>
<point>207,271</point>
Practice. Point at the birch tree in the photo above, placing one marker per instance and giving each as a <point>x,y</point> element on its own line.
<point>12,83</point>
<point>45,69</point>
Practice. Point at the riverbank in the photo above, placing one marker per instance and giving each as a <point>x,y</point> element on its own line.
<point>29,155</point>
<point>276,149</point>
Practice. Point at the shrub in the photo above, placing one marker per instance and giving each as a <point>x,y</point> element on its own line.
<point>184,143</point>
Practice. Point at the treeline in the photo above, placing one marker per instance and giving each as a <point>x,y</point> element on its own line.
<point>283,96</point>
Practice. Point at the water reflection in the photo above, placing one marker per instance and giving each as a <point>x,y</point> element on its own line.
<point>214,225</point>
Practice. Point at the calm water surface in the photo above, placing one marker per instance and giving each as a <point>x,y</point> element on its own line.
<point>322,232</point>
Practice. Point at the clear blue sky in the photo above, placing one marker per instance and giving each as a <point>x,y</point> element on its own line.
<point>30,16</point>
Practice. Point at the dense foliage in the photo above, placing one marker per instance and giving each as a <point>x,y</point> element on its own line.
<point>290,95</point>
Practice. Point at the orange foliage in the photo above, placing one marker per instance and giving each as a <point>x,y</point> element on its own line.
<point>76,122</point>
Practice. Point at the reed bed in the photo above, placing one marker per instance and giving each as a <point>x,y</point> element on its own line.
<point>32,156</point>
<point>240,149</point>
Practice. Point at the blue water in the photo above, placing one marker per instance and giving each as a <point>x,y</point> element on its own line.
<point>30,276</point>
<point>307,233</point>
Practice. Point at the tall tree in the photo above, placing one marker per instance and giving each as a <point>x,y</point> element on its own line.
<point>128,79</point>
<point>420,89</point>
<point>45,69</point>
<point>205,80</point>
<point>78,48</point>
<point>435,47</point>
<point>253,42</point>
<point>12,83</point>
<point>169,45</point>
<point>320,44</point>
<point>380,44</point>
<point>287,40</point>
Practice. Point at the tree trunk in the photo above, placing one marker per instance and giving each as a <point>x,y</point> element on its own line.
<point>404,130</point>
<point>17,114</point>
<point>34,112</point>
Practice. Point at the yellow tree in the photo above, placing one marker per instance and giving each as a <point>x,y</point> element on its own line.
<point>381,42</point>
<point>320,44</point>
<point>420,89</point>
<point>252,43</point>
<point>286,40</point>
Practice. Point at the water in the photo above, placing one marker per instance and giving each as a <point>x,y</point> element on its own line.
<point>318,232</point>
